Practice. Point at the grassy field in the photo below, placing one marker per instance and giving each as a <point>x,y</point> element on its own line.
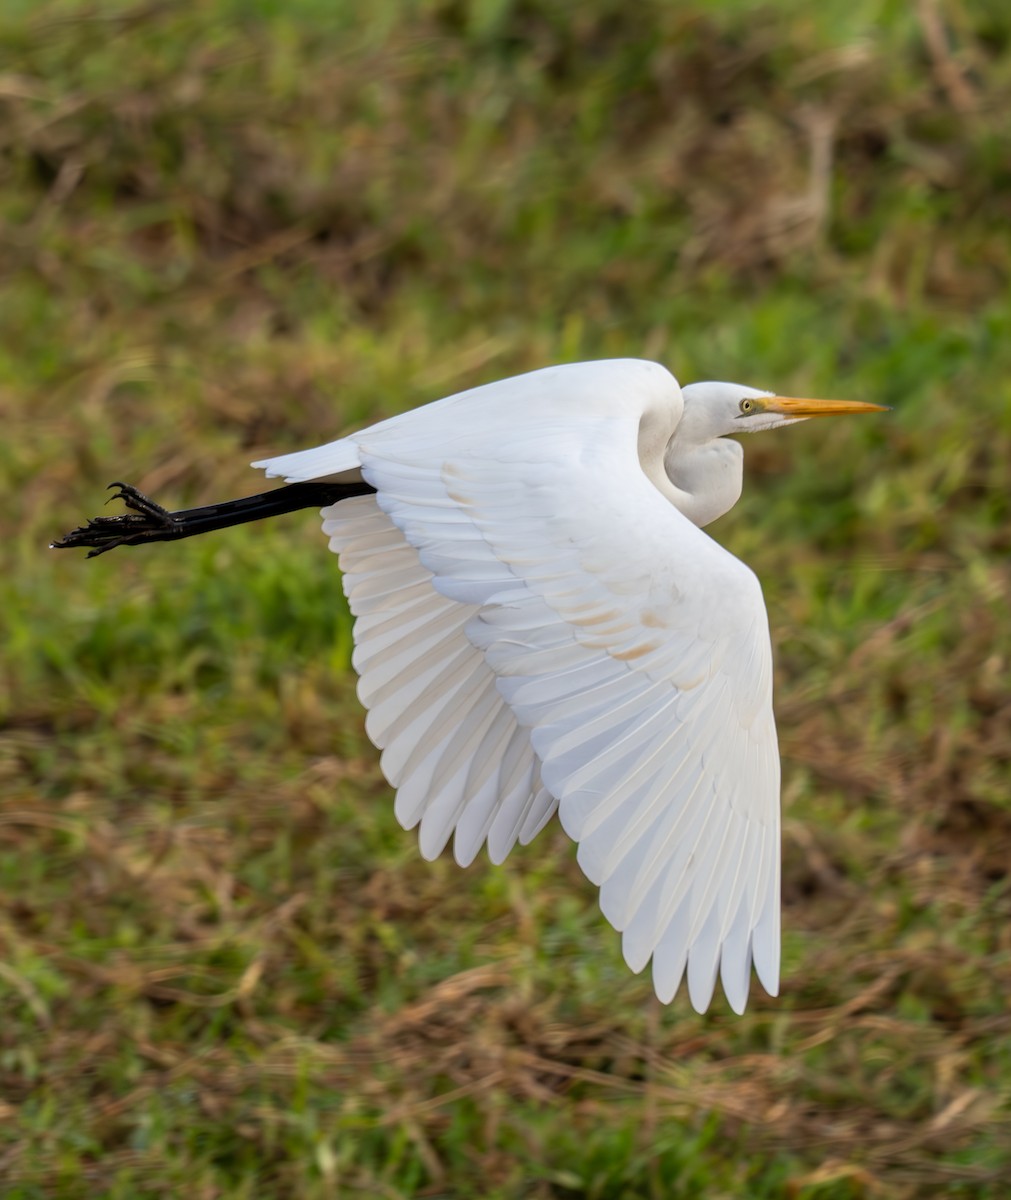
<point>235,228</point>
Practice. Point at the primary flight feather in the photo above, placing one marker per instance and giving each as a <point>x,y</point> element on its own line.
<point>542,625</point>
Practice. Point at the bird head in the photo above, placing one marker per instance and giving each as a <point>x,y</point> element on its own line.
<point>716,409</point>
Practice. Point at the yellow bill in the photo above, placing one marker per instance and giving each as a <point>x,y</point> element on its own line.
<point>790,406</point>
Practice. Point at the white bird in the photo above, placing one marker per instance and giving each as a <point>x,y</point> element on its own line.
<point>542,625</point>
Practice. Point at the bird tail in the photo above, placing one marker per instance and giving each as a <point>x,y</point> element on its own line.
<point>334,458</point>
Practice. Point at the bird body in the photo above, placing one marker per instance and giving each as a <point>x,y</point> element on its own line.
<point>541,624</point>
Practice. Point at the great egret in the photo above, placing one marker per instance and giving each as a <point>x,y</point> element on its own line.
<point>541,624</point>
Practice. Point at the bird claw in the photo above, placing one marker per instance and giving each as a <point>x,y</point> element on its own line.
<point>137,502</point>
<point>106,533</point>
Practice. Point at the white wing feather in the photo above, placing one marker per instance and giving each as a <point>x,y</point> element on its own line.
<point>517,552</point>
<point>450,746</point>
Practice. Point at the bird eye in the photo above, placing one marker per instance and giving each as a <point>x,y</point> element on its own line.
<point>746,406</point>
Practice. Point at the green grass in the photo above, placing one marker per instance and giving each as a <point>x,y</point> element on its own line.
<point>237,228</point>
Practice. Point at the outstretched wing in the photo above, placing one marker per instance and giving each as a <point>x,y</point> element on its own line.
<point>632,648</point>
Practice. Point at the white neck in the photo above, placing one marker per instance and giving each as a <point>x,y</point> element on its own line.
<point>707,477</point>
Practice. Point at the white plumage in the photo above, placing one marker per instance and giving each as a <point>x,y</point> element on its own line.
<point>540,623</point>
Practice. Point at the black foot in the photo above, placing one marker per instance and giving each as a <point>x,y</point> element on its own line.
<point>106,533</point>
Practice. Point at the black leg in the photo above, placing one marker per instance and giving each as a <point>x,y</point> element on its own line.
<point>149,522</point>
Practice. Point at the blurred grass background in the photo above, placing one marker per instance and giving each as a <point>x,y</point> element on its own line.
<point>237,227</point>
